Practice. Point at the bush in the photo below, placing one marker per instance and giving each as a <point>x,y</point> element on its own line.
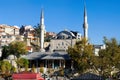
<point>41,69</point>
<point>13,69</point>
<point>33,68</point>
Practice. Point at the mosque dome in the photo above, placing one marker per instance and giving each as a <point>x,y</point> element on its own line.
<point>65,35</point>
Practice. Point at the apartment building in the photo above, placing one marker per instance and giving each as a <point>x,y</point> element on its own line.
<point>8,34</point>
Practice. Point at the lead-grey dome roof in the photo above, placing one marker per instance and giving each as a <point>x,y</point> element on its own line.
<point>65,35</point>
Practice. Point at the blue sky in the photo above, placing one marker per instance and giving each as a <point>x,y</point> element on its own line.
<point>103,16</point>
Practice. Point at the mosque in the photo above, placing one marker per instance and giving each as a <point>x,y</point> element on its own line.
<point>57,56</point>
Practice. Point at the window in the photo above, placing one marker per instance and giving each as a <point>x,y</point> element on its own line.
<point>9,36</point>
<point>58,44</point>
<point>62,43</point>
<point>3,36</point>
<point>66,44</point>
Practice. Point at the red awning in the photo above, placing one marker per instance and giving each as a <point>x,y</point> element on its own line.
<point>26,76</point>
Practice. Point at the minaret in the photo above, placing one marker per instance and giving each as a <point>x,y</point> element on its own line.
<point>85,24</point>
<point>42,31</point>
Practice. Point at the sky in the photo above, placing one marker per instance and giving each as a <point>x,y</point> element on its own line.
<point>103,16</point>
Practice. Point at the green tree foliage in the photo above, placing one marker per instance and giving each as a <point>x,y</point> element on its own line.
<point>35,47</point>
<point>41,69</point>
<point>108,58</point>
<point>22,62</point>
<point>3,69</point>
<point>37,30</point>
<point>18,48</point>
<point>13,69</point>
<point>26,68</point>
<point>5,52</point>
<point>37,33</point>
<point>33,68</point>
<point>81,54</point>
<point>5,66</point>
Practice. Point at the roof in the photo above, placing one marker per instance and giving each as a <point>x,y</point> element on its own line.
<point>65,35</point>
<point>48,56</point>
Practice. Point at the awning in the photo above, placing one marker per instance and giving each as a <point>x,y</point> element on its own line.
<point>27,76</point>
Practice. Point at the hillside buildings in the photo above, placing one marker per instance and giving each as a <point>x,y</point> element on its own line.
<point>8,34</point>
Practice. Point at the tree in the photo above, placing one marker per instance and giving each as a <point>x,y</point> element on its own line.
<point>81,54</point>
<point>26,68</point>
<point>37,33</point>
<point>18,48</point>
<point>5,66</point>
<point>33,68</point>
<point>5,52</point>
<point>22,62</point>
<point>37,30</point>
<point>108,58</point>
<point>41,69</point>
<point>13,69</point>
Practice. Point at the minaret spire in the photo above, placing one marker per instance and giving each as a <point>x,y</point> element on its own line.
<point>42,31</point>
<point>85,23</point>
<point>42,16</point>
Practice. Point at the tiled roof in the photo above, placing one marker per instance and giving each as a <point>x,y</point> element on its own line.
<point>47,55</point>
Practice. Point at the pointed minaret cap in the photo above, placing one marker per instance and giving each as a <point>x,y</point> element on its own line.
<point>42,17</point>
<point>85,23</point>
<point>42,13</point>
<point>85,11</point>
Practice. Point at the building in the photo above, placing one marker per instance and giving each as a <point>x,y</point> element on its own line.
<point>28,32</point>
<point>63,40</point>
<point>52,54</point>
<point>55,56</point>
<point>6,39</point>
<point>97,48</point>
<point>12,30</point>
<point>50,34</point>
<point>8,34</point>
